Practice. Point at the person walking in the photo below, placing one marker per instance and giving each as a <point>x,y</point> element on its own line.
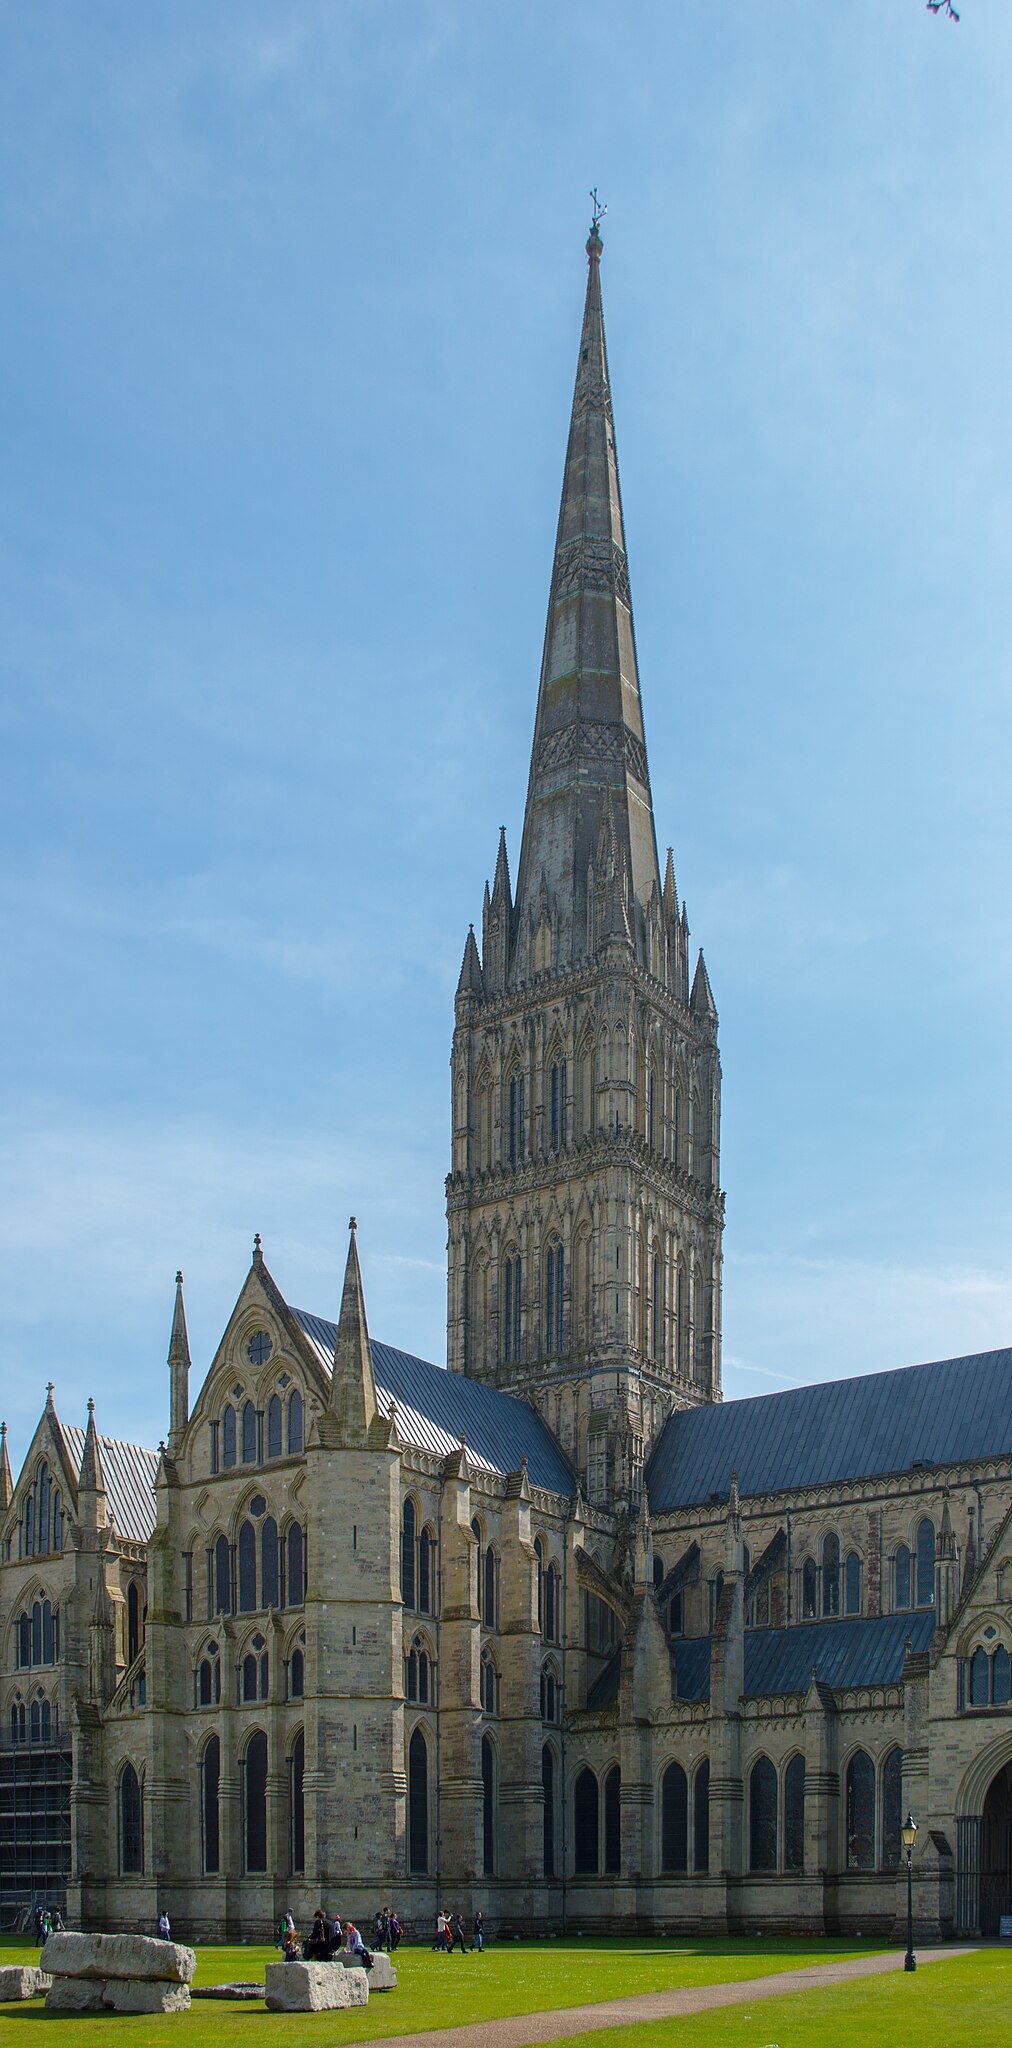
<point>396,1930</point>
<point>479,1931</point>
<point>442,1941</point>
<point>39,1927</point>
<point>458,1935</point>
<point>163,1925</point>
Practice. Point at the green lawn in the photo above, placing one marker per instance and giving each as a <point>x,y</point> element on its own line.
<point>962,2003</point>
<point>965,2003</point>
<point>433,1991</point>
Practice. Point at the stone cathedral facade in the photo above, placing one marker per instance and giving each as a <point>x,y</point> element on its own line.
<point>555,1632</point>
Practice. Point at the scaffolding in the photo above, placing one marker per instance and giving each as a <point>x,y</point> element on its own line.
<point>35,1782</point>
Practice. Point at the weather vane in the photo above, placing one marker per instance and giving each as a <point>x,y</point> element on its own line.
<point>599,211</point>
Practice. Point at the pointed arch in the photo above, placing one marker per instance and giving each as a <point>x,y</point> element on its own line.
<point>130,1805</point>
<point>418,1803</point>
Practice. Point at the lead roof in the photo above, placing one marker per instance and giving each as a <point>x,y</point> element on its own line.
<point>129,1472</point>
<point>435,1408</point>
<point>843,1654</point>
<point>953,1412</point>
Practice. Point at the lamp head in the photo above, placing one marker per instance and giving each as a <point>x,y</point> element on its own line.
<point>908,1832</point>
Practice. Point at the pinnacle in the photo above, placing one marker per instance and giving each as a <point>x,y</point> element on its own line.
<point>179,1343</point>
<point>92,1476</point>
<point>353,1386</point>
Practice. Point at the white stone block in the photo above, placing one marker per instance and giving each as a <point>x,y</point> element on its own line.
<point>76,1994</point>
<point>119,1955</point>
<point>313,1987</point>
<point>19,1982</point>
<point>382,1976</point>
<point>145,1995</point>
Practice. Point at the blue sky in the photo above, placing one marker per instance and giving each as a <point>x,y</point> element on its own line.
<point>291,298</point>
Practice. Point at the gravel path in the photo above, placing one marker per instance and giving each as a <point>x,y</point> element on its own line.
<point>520,2030</point>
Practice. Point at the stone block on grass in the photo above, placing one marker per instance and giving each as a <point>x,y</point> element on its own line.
<point>382,1976</point>
<point>117,1994</point>
<point>19,1981</point>
<point>119,1955</point>
<point>313,1987</point>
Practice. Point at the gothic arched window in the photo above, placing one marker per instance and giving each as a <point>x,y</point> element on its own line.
<point>925,1563</point>
<point>210,1777</point>
<point>42,1526</point>
<point>254,1771</point>
<point>674,1819</point>
<point>860,1802</point>
<point>980,1671</point>
<point>831,1575</point>
<point>656,1308</point>
<point>794,1814</point>
<point>554,1277</point>
<point>418,1804</point>
<point>270,1575</point>
<point>247,1568</point>
<point>297,1675</point>
<point>557,1114</point>
<point>1001,1676</point>
<point>585,1823</point>
<point>490,1602</point>
<point>57,1519</point>
<point>488,1684</point>
<point>762,1815</point>
<point>295,1422</point>
<point>131,1823</point>
<point>892,1809</point>
<point>274,1443</point>
<point>29,1526</point>
<point>552,1604</point>
<point>408,1553</point>
<point>512,1309</point>
<point>249,1434</point>
<point>901,1578</point>
<point>426,1572</point>
<point>809,1589</point>
<point>852,1583</point>
<point>228,1436</point>
<point>515,1125</point>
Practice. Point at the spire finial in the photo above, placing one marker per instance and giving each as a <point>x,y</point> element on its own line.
<point>49,1391</point>
<point>256,1245</point>
<point>595,244</point>
<point>352,1223</point>
<point>91,1405</point>
<point>179,1279</point>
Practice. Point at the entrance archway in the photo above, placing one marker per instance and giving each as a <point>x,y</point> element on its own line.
<point>996,1852</point>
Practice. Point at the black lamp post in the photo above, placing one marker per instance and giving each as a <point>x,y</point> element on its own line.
<point>908,1833</point>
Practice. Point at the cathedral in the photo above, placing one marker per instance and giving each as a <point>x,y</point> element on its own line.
<point>555,1631</point>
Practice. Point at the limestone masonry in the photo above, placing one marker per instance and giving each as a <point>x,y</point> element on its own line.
<point>555,1633</point>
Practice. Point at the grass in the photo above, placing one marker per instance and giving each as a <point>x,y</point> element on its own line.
<point>950,2004</point>
<point>964,2003</point>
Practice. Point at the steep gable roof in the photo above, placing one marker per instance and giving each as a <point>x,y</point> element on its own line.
<point>129,1471</point>
<point>952,1412</point>
<point>435,1408</point>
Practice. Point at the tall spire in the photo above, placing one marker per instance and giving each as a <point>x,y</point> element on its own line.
<point>589,744</point>
<point>179,1368</point>
<point>353,1386</point>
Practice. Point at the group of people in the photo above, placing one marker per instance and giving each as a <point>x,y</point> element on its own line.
<point>450,1934</point>
<point>329,1936</point>
<point>47,1921</point>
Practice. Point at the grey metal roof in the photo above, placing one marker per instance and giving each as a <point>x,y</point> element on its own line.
<point>129,1479</point>
<point>435,1407</point>
<point>952,1412</point>
<point>868,1651</point>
